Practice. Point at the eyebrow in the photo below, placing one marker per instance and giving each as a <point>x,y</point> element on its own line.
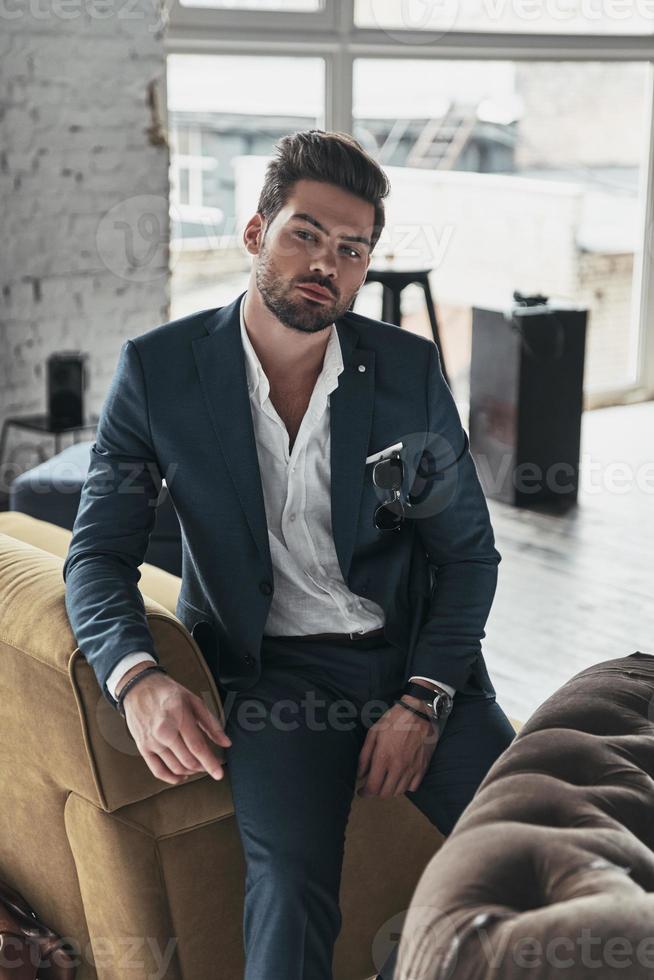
<point>314,221</point>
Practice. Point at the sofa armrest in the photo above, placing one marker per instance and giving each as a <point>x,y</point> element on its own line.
<point>154,582</point>
<point>55,718</point>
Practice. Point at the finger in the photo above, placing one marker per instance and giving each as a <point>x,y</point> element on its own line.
<point>186,758</point>
<point>199,747</point>
<point>170,759</point>
<point>375,778</point>
<point>374,784</point>
<point>213,767</point>
<point>159,768</point>
<point>415,782</point>
<point>404,784</point>
<point>365,755</point>
<point>210,724</point>
<point>389,784</point>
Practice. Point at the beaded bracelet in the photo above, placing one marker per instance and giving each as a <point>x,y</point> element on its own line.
<point>422,714</point>
<point>132,681</point>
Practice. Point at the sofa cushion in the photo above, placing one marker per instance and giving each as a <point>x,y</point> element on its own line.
<point>552,863</point>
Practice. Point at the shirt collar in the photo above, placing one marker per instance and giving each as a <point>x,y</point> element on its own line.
<point>256,376</point>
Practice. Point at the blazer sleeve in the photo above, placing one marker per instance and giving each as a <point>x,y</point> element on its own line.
<point>453,524</point>
<point>113,526</point>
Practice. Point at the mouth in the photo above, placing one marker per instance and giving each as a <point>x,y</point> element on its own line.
<point>316,293</point>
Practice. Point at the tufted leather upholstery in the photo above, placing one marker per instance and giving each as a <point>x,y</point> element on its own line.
<point>549,873</point>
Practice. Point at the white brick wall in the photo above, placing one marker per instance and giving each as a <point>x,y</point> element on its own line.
<point>83,194</point>
<point>605,286</point>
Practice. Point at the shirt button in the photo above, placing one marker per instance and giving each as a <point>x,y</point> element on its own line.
<point>265,587</point>
<point>292,517</point>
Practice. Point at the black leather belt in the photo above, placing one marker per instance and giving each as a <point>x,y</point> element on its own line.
<point>336,637</point>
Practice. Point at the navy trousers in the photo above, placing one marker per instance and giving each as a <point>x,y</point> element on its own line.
<point>296,739</point>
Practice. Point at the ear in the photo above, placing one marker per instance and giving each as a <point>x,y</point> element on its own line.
<point>253,233</point>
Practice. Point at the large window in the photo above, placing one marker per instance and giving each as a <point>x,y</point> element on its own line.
<point>504,179</point>
<point>516,135</point>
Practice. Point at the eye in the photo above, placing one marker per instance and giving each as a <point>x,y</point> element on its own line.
<point>353,252</point>
<point>305,235</point>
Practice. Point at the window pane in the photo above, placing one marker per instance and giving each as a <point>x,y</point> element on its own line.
<point>225,115</point>
<point>511,176</point>
<point>516,16</point>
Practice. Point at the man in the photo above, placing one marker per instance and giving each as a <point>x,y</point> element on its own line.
<point>312,578</point>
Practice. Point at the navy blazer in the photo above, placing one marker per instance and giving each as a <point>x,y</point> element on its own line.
<point>178,410</point>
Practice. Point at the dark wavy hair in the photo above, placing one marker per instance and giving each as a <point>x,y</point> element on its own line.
<point>334,158</point>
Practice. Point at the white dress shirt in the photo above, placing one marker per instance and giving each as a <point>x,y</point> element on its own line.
<point>310,594</point>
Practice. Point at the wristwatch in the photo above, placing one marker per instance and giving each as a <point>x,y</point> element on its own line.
<point>438,703</point>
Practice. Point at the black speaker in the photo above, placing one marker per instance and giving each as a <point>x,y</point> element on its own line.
<point>526,399</point>
<point>66,380</point>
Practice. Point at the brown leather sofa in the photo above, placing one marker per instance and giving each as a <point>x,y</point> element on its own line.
<point>145,879</point>
<point>549,873</point>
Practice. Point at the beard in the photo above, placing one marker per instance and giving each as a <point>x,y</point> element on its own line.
<point>292,308</point>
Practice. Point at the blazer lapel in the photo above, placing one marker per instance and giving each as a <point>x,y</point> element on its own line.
<point>351,412</point>
<point>220,362</point>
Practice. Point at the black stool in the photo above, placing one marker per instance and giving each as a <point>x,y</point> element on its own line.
<point>393,282</point>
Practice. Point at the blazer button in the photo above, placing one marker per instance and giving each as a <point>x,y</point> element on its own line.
<point>266,588</point>
<point>248,659</point>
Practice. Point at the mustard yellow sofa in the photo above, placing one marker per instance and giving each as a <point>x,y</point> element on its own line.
<point>143,878</point>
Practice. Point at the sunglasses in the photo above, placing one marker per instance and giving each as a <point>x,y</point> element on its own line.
<point>387,474</point>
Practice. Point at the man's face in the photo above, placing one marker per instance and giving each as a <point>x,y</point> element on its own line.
<point>321,237</point>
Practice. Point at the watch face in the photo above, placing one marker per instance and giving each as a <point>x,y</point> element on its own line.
<point>440,705</point>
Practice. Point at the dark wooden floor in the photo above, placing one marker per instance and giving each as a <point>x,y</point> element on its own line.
<point>577,589</point>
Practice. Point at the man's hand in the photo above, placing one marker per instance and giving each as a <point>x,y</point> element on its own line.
<point>397,751</point>
<point>167,722</point>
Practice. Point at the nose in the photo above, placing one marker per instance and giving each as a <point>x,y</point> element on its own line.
<point>323,261</point>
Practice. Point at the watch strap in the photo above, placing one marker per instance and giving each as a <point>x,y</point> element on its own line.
<point>422,692</point>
